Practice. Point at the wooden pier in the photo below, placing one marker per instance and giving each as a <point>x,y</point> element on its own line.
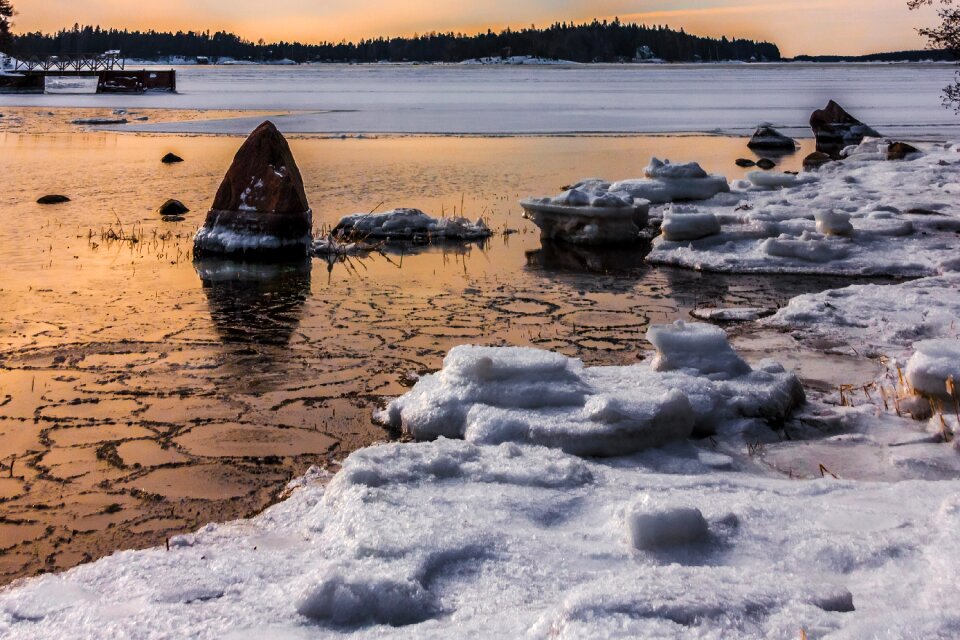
<point>29,75</point>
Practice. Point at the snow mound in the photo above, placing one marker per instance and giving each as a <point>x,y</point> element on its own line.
<point>673,182</point>
<point>934,369</point>
<point>410,224</point>
<point>862,216</point>
<point>493,395</point>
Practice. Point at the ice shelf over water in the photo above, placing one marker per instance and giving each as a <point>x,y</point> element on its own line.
<point>861,216</point>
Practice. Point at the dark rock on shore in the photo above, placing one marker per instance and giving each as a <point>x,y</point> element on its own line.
<point>260,211</point>
<point>900,150</point>
<point>172,208</point>
<point>745,163</point>
<point>766,164</point>
<point>52,199</point>
<point>171,158</point>
<point>835,129</point>
<point>768,138</point>
<point>816,160</point>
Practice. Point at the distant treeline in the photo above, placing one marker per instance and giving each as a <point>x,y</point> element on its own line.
<point>894,56</point>
<point>598,41</point>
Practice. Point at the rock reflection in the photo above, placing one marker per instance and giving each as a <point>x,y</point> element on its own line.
<point>614,259</point>
<point>255,303</point>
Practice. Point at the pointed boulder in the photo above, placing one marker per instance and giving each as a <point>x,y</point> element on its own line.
<point>769,139</point>
<point>260,211</point>
<point>835,129</point>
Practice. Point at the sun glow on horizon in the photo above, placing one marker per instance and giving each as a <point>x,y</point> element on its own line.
<point>798,26</point>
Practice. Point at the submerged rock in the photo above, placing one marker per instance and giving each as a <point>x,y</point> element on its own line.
<point>745,163</point>
<point>766,164</point>
<point>835,129</point>
<point>172,208</point>
<point>768,138</point>
<point>261,209</point>
<point>171,158</point>
<point>52,199</point>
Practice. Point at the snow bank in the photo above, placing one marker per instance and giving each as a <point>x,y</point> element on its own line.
<point>410,224</point>
<point>696,383</point>
<point>450,539</point>
<point>864,215</point>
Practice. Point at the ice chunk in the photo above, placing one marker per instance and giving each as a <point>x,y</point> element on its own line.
<point>699,347</point>
<point>664,190</point>
<point>603,218</point>
<point>681,227</point>
<point>653,528</point>
<point>934,369</point>
<point>833,223</point>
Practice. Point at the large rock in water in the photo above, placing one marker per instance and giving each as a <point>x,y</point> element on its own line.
<point>261,210</point>
<point>835,129</point>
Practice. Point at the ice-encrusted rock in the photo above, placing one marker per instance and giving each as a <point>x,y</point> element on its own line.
<point>409,224</point>
<point>580,217</point>
<point>934,369</point>
<point>492,395</point>
<point>767,138</point>
<point>261,210</point>
<point>835,129</point>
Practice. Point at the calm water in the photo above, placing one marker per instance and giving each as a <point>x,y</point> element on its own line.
<point>143,394</point>
<point>900,100</point>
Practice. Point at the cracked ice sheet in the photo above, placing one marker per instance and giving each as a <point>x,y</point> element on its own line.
<point>905,217</point>
<point>454,539</point>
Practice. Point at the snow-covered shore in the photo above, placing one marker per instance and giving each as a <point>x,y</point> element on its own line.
<point>505,526</point>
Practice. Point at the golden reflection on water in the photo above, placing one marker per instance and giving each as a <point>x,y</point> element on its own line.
<point>142,394</point>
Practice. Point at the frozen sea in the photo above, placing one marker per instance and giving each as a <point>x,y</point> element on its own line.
<point>898,99</point>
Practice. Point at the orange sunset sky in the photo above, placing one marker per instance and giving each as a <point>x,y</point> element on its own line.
<point>798,26</point>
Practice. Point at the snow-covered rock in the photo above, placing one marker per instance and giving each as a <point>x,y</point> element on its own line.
<point>696,383</point>
<point>833,223</point>
<point>409,224</point>
<point>671,182</point>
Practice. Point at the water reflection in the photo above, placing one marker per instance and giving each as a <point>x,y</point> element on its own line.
<point>613,259</point>
<point>255,303</point>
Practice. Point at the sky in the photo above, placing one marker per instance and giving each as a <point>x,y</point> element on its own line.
<point>845,27</point>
